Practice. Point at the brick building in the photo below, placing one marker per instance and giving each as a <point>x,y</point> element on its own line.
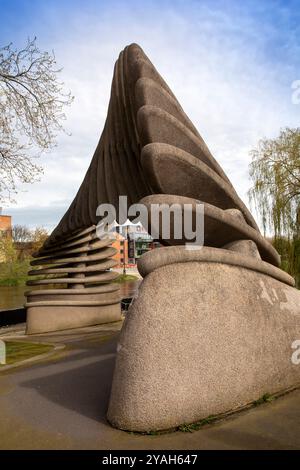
<point>121,245</point>
<point>5,224</point>
<point>5,230</point>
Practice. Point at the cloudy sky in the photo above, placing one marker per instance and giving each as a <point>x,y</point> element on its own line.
<point>231,65</point>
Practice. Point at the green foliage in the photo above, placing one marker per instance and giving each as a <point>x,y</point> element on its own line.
<point>13,271</point>
<point>38,236</point>
<point>126,277</point>
<point>289,249</point>
<point>275,172</point>
<point>19,351</point>
<point>13,266</point>
<point>196,426</point>
<point>266,398</point>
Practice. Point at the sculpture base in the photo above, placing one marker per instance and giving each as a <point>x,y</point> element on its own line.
<point>203,337</point>
<point>54,310</point>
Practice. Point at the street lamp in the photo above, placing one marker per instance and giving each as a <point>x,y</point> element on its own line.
<point>126,225</point>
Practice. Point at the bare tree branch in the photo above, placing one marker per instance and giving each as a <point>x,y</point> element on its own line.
<point>32,100</point>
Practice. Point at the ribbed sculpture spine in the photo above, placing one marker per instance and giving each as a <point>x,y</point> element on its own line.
<point>78,284</point>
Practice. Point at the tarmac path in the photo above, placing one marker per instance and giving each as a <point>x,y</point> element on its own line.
<point>61,402</point>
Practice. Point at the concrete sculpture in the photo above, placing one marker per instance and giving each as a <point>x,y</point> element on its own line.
<point>77,277</point>
<point>211,329</point>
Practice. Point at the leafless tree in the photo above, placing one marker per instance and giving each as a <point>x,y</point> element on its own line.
<point>21,233</point>
<point>31,111</point>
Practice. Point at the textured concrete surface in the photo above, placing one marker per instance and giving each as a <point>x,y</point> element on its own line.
<point>144,113</point>
<point>61,404</point>
<point>55,318</point>
<point>245,247</point>
<point>79,289</point>
<point>220,227</point>
<point>202,338</point>
<point>187,176</point>
<point>179,254</point>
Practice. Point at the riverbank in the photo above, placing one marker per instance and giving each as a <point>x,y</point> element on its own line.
<point>12,297</point>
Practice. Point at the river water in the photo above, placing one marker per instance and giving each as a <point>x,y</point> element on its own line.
<point>13,297</point>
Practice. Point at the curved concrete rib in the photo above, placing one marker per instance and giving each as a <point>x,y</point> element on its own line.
<point>219,226</point>
<point>82,270</point>
<point>179,254</point>
<point>188,176</point>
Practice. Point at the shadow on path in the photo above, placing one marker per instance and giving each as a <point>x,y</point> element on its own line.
<point>82,381</point>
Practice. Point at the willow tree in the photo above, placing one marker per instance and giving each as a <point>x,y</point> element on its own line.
<point>275,173</point>
<point>32,100</point>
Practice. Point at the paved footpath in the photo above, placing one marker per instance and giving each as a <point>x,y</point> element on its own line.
<point>60,403</point>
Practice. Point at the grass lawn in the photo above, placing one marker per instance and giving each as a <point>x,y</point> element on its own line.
<point>126,277</point>
<point>19,351</point>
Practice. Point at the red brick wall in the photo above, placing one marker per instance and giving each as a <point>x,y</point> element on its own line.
<point>5,223</point>
<point>121,246</point>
